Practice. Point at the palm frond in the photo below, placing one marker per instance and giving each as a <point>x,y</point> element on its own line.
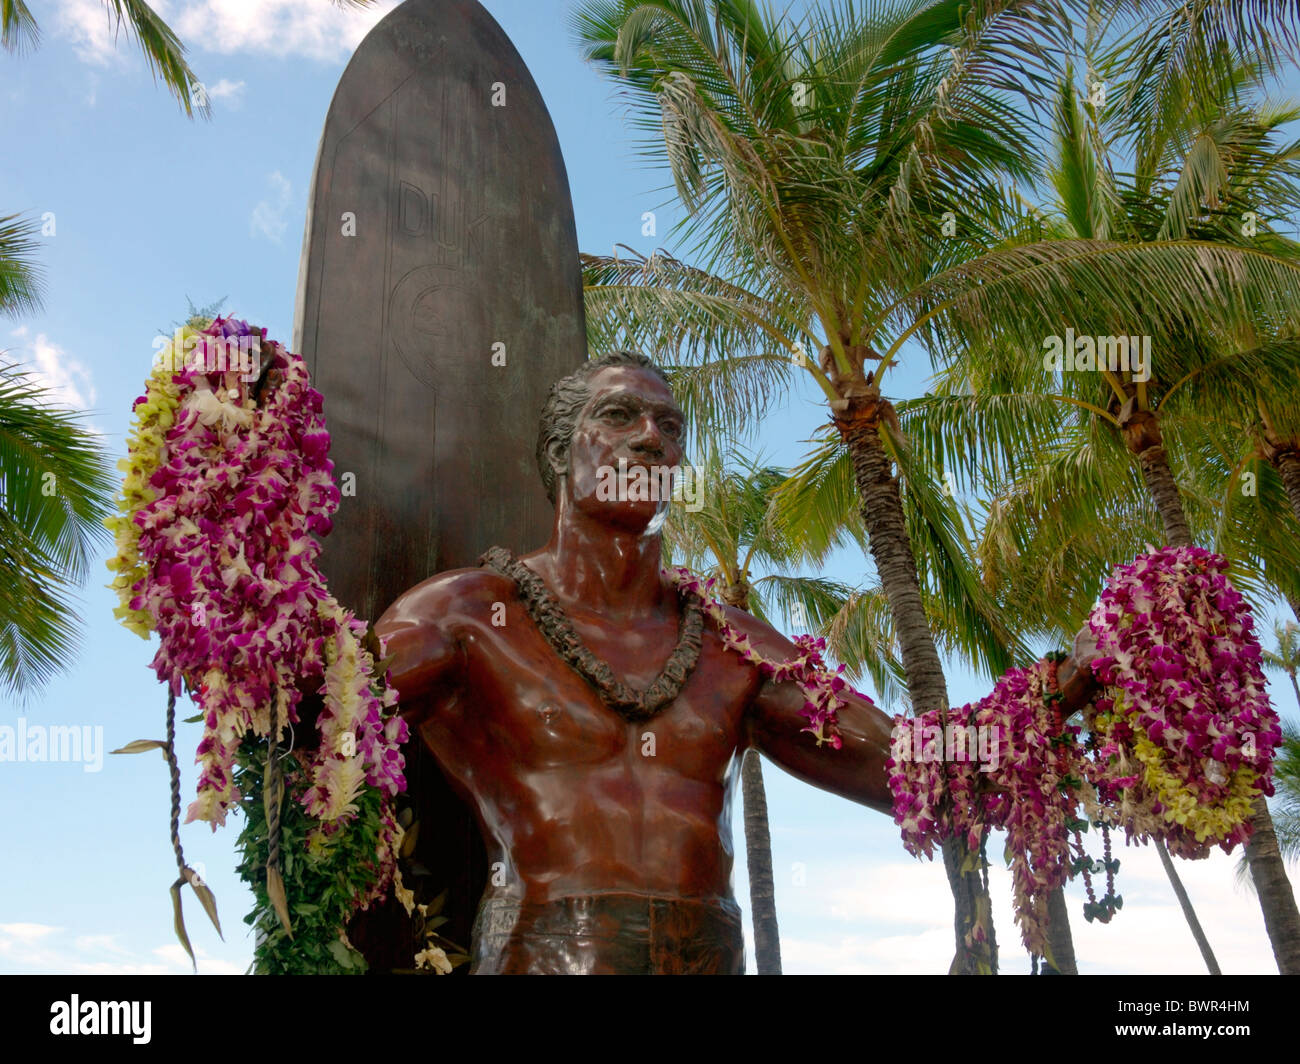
<point>37,619</point>
<point>55,491</point>
<point>164,54</point>
<point>21,283</point>
<point>18,30</point>
<point>861,636</point>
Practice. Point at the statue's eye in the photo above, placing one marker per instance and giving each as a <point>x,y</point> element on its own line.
<point>620,415</point>
<point>671,427</point>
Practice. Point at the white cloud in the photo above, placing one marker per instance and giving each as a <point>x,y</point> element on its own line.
<point>90,28</point>
<point>29,947</point>
<point>25,933</point>
<point>309,28</point>
<point>69,381</point>
<point>101,943</point>
<point>312,29</point>
<point>928,953</point>
<point>225,89</point>
<point>268,218</point>
<point>175,956</point>
<point>895,917</point>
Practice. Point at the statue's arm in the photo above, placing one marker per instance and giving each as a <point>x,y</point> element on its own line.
<point>426,655</point>
<point>855,771</point>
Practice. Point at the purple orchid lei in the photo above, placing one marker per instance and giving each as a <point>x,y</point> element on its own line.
<point>1180,742</point>
<point>822,688</point>
<point>942,789</point>
<point>1186,723</point>
<point>216,553</point>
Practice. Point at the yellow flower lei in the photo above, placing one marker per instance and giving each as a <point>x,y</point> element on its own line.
<point>144,450</point>
<point>1208,823</point>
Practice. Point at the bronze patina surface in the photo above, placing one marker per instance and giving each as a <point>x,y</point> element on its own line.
<point>439,295</point>
<point>609,839</point>
<point>609,934</point>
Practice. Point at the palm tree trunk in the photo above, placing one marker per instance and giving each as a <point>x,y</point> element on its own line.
<point>1276,898</point>
<point>1287,464</point>
<point>1059,939</point>
<point>758,852</point>
<point>758,836</point>
<point>882,513</point>
<point>1189,914</point>
<point>1164,492</point>
<point>1267,870</point>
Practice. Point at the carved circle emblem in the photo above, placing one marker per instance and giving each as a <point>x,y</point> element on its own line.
<point>429,316</point>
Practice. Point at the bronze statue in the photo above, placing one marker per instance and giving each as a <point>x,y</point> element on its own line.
<point>595,720</point>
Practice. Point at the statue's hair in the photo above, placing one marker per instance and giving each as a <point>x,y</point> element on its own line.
<point>567,397</point>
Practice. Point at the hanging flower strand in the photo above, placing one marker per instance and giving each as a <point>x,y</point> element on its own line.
<point>1186,719</point>
<point>1181,739</point>
<point>823,689</point>
<point>227,485</point>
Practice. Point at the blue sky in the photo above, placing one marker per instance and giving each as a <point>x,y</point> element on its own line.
<point>149,209</point>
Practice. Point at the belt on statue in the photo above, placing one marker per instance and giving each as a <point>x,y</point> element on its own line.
<point>609,934</point>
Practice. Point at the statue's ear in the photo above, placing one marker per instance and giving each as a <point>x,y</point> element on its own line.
<point>557,456</point>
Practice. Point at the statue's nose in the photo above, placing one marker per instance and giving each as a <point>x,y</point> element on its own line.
<point>649,438</point>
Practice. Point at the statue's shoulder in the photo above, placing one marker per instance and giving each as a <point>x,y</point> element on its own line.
<point>455,591</point>
<point>760,635</point>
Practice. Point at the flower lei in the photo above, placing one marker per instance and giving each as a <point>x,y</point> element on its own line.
<point>227,481</point>
<point>1010,762</point>
<point>822,688</point>
<point>1179,743</point>
<point>1186,720</point>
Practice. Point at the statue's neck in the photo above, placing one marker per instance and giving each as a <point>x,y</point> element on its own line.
<point>590,565</point>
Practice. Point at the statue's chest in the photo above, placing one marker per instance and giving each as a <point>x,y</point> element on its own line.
<point>541,709</point>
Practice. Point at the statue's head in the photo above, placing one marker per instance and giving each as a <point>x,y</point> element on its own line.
<point>613,412</point>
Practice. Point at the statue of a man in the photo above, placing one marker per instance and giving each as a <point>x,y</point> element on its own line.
<point>595,720</point>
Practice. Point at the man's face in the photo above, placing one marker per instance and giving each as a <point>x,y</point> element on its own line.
<point>625,449</point>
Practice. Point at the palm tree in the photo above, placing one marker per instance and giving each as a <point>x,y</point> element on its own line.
<point>1203,156</point>
<point>1286,658</point>
<point>55,491</point>
<point>824,166</point>
<point>163,52</point>
<point>736,529</point>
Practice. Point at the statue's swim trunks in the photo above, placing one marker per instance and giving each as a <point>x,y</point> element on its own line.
<point>609,934</point>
